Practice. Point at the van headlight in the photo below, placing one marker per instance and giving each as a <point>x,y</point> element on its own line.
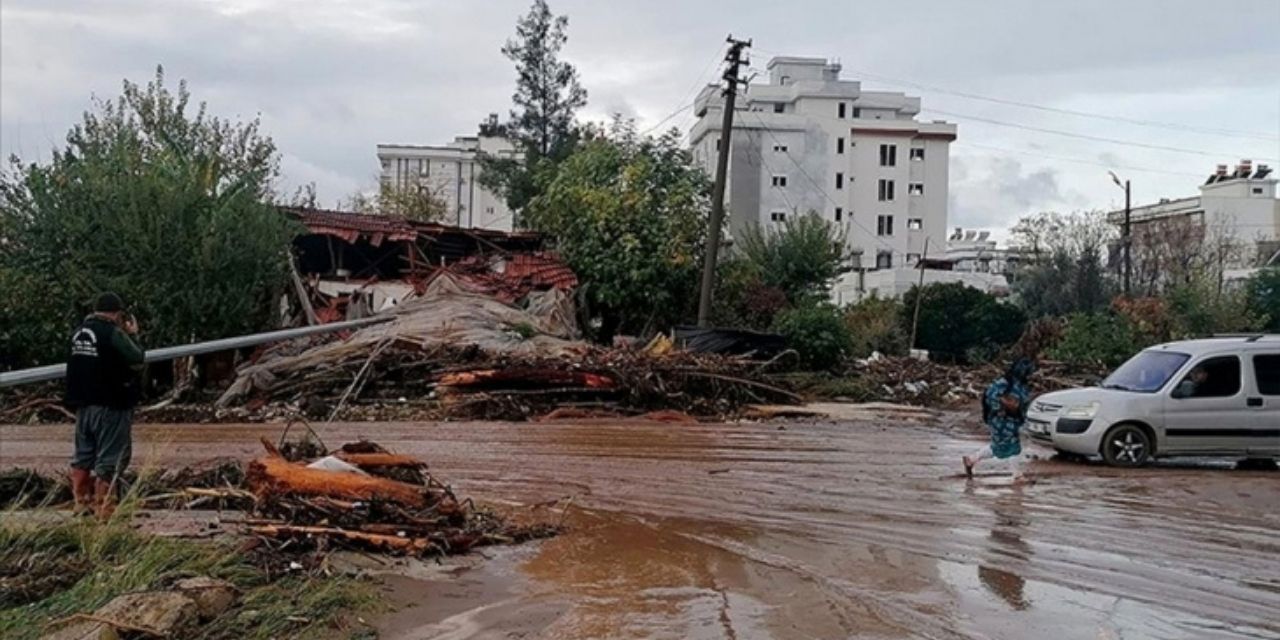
<point>1083,411</point>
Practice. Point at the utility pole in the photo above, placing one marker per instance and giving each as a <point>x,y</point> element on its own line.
<point>1128,241</point>
<point>735,60</point>
<point>915,317</point>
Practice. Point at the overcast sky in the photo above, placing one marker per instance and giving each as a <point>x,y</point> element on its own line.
<point>331,79</point>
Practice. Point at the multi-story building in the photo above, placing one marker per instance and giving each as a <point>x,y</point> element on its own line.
<point>1240,205</point>
<point>810,141</point>
<point>451,173</point>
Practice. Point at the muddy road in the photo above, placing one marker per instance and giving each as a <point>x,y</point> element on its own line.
<point>807,530</point>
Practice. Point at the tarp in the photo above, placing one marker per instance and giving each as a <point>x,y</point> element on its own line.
<point>729,341</point>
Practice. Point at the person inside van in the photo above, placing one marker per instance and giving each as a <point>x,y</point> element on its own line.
<point>1193,383</point>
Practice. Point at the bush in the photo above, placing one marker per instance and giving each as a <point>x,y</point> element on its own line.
<point>818,334</point>
<point>874,325</point>
<point>958,322</point>
<point>1263,295</point>
<point>742,299</point>
<point>1199,311</point>
<point>168,208</point>
<point>1092,339</point>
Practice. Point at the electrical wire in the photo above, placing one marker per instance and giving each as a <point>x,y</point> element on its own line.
<point>1037,154</point>
<point>1174,126</point>
<point>1083,136</point>
<point>697,84</point>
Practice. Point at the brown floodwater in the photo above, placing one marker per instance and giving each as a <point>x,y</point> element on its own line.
<point>805,530</point>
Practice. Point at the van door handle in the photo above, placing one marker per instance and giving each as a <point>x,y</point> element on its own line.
<point>1254,402</point>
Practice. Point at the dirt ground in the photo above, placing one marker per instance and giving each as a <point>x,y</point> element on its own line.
<point>804,529</point>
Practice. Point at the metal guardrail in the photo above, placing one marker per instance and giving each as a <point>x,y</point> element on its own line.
<point>55,371</point>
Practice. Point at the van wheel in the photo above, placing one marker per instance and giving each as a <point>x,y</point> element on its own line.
<point>1126,445</point>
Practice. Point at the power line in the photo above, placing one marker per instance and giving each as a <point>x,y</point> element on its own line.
<point>1070,112</point>
<point>1083,136</point>
<point>1076,160</point>
<point>697,83</point>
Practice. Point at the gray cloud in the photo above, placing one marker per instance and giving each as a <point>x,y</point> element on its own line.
<point>331,79</point>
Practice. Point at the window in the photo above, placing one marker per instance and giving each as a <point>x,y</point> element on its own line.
<point>1257,191</point>
<point>885,191</point>
<point>857,112</point>
<point>842,108</point>
<point>915,189</point>
<point>778,216</point>
<point>1211,378</point>
<point>913,258</point>
<point>779,148</point>
<point>884,226</point>
<point>779,181</point>
<point>884,260</point>
<point>917,154</point>
<point>888,155</point>
<point>915,224</point>
<point>717,144</point>
<point>839,180</point>
<point>488,210</point>
<point>1267,368</point>
<point>779,108</point>
<point>839,214</point>
<point>839,145</point>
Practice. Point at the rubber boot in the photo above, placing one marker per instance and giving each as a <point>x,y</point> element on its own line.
<point>82,490</point>
<point>104,498</point>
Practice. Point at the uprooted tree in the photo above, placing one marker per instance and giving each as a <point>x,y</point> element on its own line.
<point>629,215</point>
<point>169,208</point>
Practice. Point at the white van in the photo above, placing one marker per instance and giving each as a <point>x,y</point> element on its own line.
<point>1212,397</point>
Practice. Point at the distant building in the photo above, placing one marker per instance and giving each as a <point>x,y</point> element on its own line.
<point>450,172</point>
<point>1241,203</point>
<point>810,141</point>
<point>974,251</point>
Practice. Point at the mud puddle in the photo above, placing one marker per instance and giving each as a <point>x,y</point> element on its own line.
<point>809,530</point>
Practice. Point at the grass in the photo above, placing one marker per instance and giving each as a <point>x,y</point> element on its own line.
<point>51,569</point>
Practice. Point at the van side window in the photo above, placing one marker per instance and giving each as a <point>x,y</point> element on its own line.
<point>1267,367</point>
<point>1212,378</point>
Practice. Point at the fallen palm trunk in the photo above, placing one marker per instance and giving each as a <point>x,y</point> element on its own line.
<point>271,476</point>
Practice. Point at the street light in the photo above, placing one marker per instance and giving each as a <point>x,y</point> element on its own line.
<point>1126,239</point>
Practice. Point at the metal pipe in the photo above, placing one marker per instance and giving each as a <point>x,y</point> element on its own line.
<point>55,371</point>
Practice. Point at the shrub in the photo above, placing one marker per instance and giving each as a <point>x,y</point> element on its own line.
<point>742,299</point>
<point>1263,295</point>
<point>1092,339</point>
<point>957,321</point>
<point>817,334</point>
<point>874,325</point>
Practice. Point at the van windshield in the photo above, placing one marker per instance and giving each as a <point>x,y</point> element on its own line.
<point>1146,372</point>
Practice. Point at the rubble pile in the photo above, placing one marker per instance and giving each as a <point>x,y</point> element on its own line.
<point>457,353</point>
<point>363,496</point>
<point>916,381</point>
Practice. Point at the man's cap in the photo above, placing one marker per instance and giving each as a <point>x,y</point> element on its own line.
<point>108,303</point>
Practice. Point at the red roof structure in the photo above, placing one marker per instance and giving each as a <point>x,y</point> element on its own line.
<point>351,226</point>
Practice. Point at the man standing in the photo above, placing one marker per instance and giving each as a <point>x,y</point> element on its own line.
<point>102,386</point>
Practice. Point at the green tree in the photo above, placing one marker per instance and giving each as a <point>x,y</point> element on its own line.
<point>958,322</point>
<point>1263,294</point>
<point>875,325</point>
<point>1063,272</point>
<point>803,257</point>
<point>817,333</point>
<point>547,96</point>
<point>629,215</point>
<point>1093,339</point>
<point>415,202</point>
<point>171,209</point>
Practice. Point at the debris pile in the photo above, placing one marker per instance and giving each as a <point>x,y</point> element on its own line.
<point>926,383</point>
<point>363,496</point>
<point>455,352</point>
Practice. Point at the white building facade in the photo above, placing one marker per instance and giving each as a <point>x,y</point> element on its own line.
<point>810,141</point>
<point>451,173</point>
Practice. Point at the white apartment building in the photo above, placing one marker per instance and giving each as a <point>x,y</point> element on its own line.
<point>974,251</point>
<point>810,141</point>
<point>451,172</point>
<point>1241,203</point>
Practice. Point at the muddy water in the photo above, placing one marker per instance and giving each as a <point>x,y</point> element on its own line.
<point>812,531</point>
